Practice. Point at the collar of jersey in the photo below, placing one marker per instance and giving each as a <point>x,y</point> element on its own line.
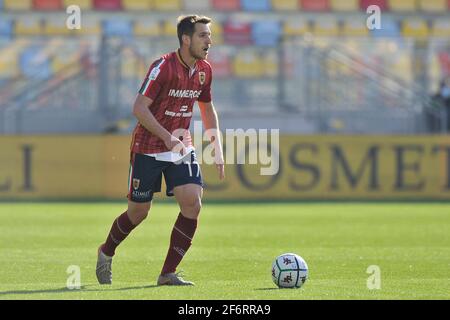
<point>182,62</point>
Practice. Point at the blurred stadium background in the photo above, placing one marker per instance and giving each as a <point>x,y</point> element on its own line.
<point>310,68</point>
<point>361,117</point>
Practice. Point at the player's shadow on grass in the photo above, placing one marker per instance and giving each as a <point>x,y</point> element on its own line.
<point>82,289</point>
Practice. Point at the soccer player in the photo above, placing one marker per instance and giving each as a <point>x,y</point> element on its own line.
<point>161,145</point>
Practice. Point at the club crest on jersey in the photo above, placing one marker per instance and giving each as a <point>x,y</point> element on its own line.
<point>136,183</point>
<point>202,77</point>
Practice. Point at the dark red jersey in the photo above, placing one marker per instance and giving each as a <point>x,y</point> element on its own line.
<point>174,88</point>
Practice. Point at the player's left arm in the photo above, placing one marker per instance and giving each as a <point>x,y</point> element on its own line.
<point>210,121</point>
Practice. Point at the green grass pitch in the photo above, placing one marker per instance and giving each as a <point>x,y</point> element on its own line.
<point>232,252</point>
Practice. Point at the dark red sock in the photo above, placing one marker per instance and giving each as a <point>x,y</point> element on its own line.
<point>120,229</point>
<point>180,240</point>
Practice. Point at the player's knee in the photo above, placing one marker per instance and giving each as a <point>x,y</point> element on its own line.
<point>137,216</point>
<point>192,206</point>
<point>138,213</point>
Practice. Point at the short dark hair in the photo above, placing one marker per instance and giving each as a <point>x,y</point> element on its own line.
<point>186,25</point>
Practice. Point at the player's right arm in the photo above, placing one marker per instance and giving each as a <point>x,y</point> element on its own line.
<point>156,78</point>
<point>142,113</point>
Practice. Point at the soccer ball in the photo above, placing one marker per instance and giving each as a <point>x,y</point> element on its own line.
<point>289,271</point>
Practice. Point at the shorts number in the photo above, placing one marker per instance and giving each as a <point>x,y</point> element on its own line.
<point>190,168</point>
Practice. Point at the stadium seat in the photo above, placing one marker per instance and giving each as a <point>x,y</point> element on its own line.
<point>117,27</point>
<point>315,5</point>
<point>167,5</point>
<point>113,5</point>
<point>226,5</point>
<point>62,59</point>
<point>325,27</point>
<point>416,28</point>
<point>295,27</point>
<point>247,64</point>
<point>196,5</point>
<point>6,28</point>
<point>344,5</point>
<point>47,4</point>
<point>220,62</point>
<point>270,63</point>
<point>433,5</point>
<point>170,28</point>
<point>55,25</point>
<point>236,32</point>
<point>401,65</point>
<point>390,28</point>
<point>255,5</point>
<point>441,28</point>
<point>17,5</point>
<point>8,65</point>
<point>129,64</point>
<point>34,64</point>
<point>28,25</point>
<point>217,32</point>
<point>133,5</point>
<point>266,33</point>
<point>354,28</point>
<point>402,5</point>
<point>83,4</point>
<point>364,4</point>
<point>285,5</point>
<point>147,27</point>
<point>444,61</point>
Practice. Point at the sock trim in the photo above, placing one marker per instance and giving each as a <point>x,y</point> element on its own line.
<point>114,239</point>
<point>182,233</point>
<point>120,229</point>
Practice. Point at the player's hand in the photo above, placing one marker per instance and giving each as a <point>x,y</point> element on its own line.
<point>221,170</point>
<point>220,165</point>
<point>175,145</point>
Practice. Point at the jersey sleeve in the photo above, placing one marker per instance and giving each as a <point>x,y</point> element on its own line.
<point>154,80</point>
<point>205,96</point>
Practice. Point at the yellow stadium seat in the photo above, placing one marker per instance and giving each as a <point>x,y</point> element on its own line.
<point>167,5</point>
<point>433,5</point>
<point>270,64</point>
<point>170,28</point>
<point>402,67</point>
<point>354,28</point>
<point>441,28</point>
<point>402,5</point>
<point>295,27</point>
<point>56,25</point>
<point>247,65</point>
<point>344,5</point>
<point>435,72</point>
<point>217,32</point>
<point>416,28</point>
<point>130,64</point>
<point>146,27</point>
<point>61,61</point>
<point>285,5</point>
<point>17,5</point>
<point>83,4</point>
<point>8,65</point>
<point>137,4</point>
<point>325,27</point>
<point>28,25</point>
